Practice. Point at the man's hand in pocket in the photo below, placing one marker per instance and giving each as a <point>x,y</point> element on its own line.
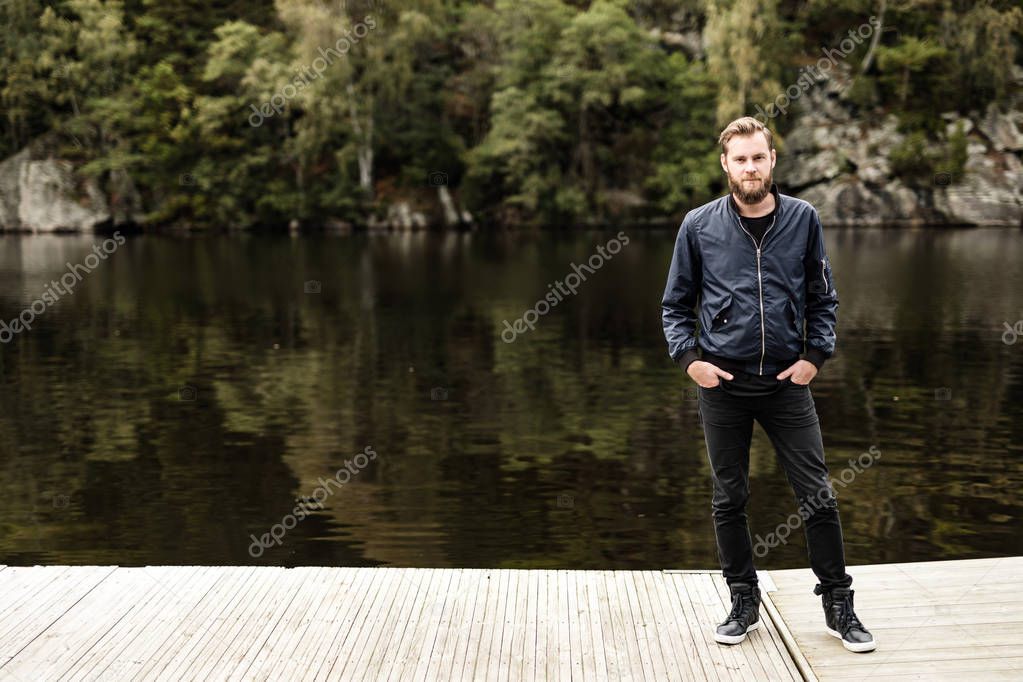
<point>802,372</point>
<point>707,375</point>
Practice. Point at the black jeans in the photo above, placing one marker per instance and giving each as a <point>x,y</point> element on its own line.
<point>786,412</point>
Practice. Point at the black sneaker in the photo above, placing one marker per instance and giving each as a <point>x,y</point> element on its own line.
<point>842,621</point>
<point>745,614</point>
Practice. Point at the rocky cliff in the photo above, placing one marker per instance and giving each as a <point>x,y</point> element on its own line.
<point>842,165</point>
<point>39,193</point>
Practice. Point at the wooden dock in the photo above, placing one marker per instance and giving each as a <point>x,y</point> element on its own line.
<point>320,623</point>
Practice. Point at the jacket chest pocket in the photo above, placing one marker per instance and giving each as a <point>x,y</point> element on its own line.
<point>720,312</point>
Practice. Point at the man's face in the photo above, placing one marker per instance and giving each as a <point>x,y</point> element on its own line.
<point>748,164</point>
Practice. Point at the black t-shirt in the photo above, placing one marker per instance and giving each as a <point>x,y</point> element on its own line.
<point>757,226</point>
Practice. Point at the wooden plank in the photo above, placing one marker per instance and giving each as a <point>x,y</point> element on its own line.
<point>459,620</point>
<point>466,650</point>
<point>530,645</point>
<point>879,603</point>
<point>421,641</point>
<point>429,659</point>
<point>194,627</point>
<point>687,644</point>
<point>668,629</point>
<point>701,627</point>
<point>185,590</point>
<point>547,635</point>
<point>398,656</point>
<point>350,586</point>
<point>292,625</point>
<point>244,629</point>
<point>607,646</point>
<point>899,621</point>
<point>500,668</point>
<point>594,654</point>
<point>583,659</point>
<point>520,624</point>
<point>337,654</point>
<point>372,634</point>
<point>33,617</point>
<point>115,655</point>
<point>289,655</point>
<point>625,631</point>
<point>489,647</point>
<point>564,634</point>
<point>77,631</point>
<point>902,655</point>
<point>925,668</point>
<point>21,585</point>
<point>661,632</point>
<point>399,623</point>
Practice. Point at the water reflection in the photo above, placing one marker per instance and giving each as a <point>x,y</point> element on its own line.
<point>192,391</point>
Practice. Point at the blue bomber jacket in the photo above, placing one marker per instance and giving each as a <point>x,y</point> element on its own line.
<point>755,306</point>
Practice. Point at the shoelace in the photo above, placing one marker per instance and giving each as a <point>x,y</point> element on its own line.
<point>741,606</point>
<point>847,619</point>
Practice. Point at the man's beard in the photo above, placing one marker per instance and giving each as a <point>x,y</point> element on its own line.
<point>753,196</point>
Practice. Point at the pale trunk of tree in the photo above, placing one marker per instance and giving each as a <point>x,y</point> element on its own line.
<point>364,135</point>
<point>875,39</point>
<point>448,204</point>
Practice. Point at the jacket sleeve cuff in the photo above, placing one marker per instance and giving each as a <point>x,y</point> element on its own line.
<point>687,358</point>
<point>816,356</point>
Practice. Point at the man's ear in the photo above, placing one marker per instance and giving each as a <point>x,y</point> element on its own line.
<point>774,158</point>
<point>723,166</point>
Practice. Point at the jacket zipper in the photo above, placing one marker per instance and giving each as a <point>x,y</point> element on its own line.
<point>824,277</point>
<point>760,286</point>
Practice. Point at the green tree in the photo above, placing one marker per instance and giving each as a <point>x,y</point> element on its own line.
<point>736,35</point>
<point>984,41</point>
<point>686,171</point>
<point>23,96</point>
<point>911,56</point>
<point>516,171</point>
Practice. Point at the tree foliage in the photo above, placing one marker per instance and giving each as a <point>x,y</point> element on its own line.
<point>550,111</point>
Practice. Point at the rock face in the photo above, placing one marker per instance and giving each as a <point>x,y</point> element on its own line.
<point>840,164</point>
<point>42,194</point>
<point>47,192</point>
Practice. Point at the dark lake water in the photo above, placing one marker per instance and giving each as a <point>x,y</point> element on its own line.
<point>190,393</point>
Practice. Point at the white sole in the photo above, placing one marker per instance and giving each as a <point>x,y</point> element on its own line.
<point>735,639</point>
<point>858,648</point>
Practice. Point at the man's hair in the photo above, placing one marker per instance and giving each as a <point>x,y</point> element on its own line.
<point>747,125</point>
